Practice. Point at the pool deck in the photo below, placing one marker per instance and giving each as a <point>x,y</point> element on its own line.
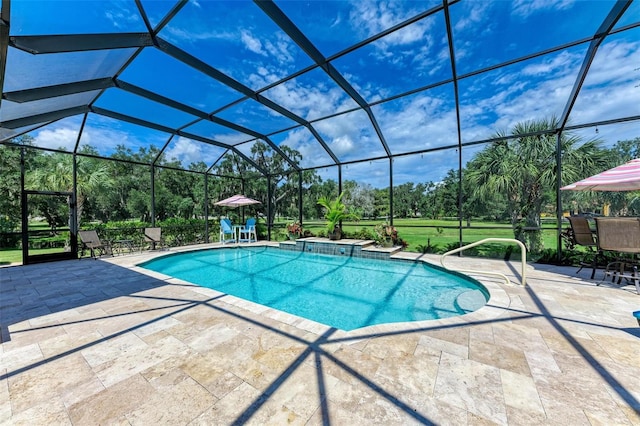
<point>88,342</point>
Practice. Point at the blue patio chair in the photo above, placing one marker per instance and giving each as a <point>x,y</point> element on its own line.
<point>227,229</point>
<point>248,231</point>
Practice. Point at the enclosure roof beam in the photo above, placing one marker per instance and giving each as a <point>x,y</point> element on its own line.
<point>4,40</point>
<point>283,21</point>
<point>201,114</point>
<point>206,69</point>
<point>603,31</point>
<point>41,118</point>
<point>165,129</point>
<point>315,133</point>
<point>79,42</point>
<point>46,92</point>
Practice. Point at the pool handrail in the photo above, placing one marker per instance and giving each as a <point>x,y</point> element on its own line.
<point>523,250</point>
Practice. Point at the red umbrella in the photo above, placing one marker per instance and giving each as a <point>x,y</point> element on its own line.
<point>622,178</point>
<point>237,201</point>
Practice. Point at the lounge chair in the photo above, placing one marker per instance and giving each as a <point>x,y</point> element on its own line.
<point>584,236</point>
<point>248,231</point>
<point>226,228</point>
<point>154,236</point>
<point>91,241</point>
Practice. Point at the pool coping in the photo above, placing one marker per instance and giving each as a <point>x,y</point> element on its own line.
<point>498,301</point>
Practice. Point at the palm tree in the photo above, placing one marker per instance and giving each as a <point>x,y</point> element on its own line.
<point>92,175</point>
<point>523,169</point>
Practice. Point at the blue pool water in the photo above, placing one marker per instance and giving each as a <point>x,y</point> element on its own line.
<point>342,292</point>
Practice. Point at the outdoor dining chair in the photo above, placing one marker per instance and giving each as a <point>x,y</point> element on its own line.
<point>154,237</point>
<point>620,235</point>
<point>584,236</point>
<point>247,233</point>
<point>226,228</point>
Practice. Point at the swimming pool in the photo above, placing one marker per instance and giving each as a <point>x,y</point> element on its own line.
<point>342,292</point>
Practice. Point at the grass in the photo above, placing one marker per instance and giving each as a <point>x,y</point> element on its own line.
<point>9,256</point>
<point>440,234</point>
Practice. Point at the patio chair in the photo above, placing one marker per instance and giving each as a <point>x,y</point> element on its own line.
<point>154,236</point>
<point>226,228</point>
<point>92,242</point>
<point>584,236</point>
<point>620,235</point>
<point>248,231</point>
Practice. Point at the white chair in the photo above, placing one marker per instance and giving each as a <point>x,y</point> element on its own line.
<point>247,231</point>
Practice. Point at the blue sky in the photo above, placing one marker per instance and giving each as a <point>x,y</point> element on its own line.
<point>238,39</point>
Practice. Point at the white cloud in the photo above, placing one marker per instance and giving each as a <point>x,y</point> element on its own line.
<point>105,139</point>
<point>251,43</point>
<point>422,121</point>
<point>121,16</point>
<point>372,17</point>
<point>56,138</point>
<point>186,151</point>
<point>525,8</point>
<point>313,154</point>
<point>342,145</point>
<point>472,15</point>
<point>542,88</point>
<point>173,34</point>
<point>369,18</point>
<point>611,87</point>
<point>310,102</point>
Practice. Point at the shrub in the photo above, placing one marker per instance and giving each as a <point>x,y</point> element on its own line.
<point>428,248</point>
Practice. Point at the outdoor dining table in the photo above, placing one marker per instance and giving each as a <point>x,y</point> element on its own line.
<point>120,245</point>
<point>236,232</point>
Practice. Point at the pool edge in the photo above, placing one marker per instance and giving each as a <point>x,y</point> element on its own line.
<point>495,306</point>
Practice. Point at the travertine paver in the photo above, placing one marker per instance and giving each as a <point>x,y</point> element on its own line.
<point>105,342</point>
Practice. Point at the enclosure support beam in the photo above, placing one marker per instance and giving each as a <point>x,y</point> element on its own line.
<point>25,213</point>
<point>73,225</point>
<point>558,196</point>
<point>206,208</point>
<point>153,195</point>
<point>456,93</point>
<point>300,197</point>
<point>391,191</point>
<point>269,221</point>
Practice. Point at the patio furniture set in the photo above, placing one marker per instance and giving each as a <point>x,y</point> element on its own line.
<point>230,233</point>
<point>97,247</point>
<point>617,236</point>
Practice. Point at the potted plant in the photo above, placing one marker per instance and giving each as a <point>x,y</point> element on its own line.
<point>335,212</point>
<point>387,236</point>
<point>294,230</point>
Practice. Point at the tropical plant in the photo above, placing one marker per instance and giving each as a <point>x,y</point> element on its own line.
<point>294,230</point>
<point>335,212</point>
<point>56,174</point>
<point>387,235</point>
<point>522,169</point>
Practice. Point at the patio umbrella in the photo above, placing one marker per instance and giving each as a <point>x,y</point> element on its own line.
<point>622,178</point>
<point>237,201</point>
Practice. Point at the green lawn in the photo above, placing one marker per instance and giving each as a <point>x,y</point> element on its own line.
<point>440,234</point>
<point>9,256</point>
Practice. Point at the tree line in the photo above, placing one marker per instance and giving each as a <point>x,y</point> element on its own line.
<point>512,179</point>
